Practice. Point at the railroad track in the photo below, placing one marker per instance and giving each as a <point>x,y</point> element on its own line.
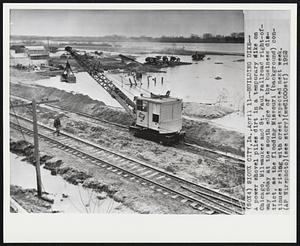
<point>239,160</point>
<point>199,197</point>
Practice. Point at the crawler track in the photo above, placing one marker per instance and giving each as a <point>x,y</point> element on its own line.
<point>199,197</point>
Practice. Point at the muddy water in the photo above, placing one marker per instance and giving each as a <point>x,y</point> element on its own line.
<point>79,200</point>
<point>154,46</point>
<point>192,83</point>
<point>218,79</point>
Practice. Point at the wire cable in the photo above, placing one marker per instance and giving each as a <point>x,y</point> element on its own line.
<point>20,128</point>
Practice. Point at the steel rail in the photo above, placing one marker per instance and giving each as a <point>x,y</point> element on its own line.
<point>204,201</point>
<point>207,191</point>
<point>84,154</point>
<point>194,146</point>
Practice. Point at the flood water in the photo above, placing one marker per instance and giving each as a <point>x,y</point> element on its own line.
<point>158,46</point>
<point>153,46</point>
<point>216,79</point>
<point>201,82</point>
<point>79,200</point>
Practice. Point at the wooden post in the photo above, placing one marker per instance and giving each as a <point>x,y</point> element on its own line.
<point>36,150</point>
<point>36,139</point>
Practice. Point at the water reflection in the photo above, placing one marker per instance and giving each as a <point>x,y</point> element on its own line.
<point>68,198</point>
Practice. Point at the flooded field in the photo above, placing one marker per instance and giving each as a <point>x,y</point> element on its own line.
<point>215,80</point>
<point>68,198</point>
<point>210,82</point>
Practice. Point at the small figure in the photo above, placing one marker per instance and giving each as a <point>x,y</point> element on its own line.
<point>154,79</point>
<point>57,125</point>
<point>130,82</point>
<point>148,80</point>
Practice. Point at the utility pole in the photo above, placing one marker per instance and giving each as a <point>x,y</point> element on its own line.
<point>36,140</point>
<point>36,150</point>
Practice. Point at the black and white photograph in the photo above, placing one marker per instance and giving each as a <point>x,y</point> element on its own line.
<point>156,112</point>
<point>128,111</point>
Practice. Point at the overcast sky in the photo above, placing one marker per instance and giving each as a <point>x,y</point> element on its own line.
<point>153,23</point>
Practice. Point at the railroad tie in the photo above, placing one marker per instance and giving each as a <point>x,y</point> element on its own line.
<point>134,167</point>
<point>151,175</point>
<point>141,169</point>
<point>193,205</point>
<point>131,164</point>
<point>146,172</point>
<point>210,212</point>
<point>184,200</point>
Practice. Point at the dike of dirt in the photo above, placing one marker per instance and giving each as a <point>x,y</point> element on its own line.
<point>207,111</point>
<point>76,102</point>
<point>207,135</point>
<point>27,198</point>
<point>201,133</point>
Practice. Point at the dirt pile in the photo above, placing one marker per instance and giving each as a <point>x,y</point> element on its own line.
<point>17,75</point>
<point>75,102</point>
<point>201,133</point>
<point>207,111</point>
<point>204,134</point>
<point>100,186</point>
<point>25,148</point>
<point>28,199</point>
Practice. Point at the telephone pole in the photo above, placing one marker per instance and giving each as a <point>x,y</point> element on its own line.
<point>36,140</point>
<point>36,149</point>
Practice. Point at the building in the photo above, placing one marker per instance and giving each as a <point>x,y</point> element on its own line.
<point>37,54</point>
<point>19,58</point>
<point>18,48</point>
<point>28,55</point>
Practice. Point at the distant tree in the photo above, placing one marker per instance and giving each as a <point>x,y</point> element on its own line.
<point>207,35</point>
<point>194,36</point>
<point>240,35</point>
<point>234,35</point>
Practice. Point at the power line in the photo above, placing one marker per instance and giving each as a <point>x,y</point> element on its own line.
<point>20,128</point>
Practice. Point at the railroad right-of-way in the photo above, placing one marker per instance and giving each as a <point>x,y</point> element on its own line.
<point>199,197</point>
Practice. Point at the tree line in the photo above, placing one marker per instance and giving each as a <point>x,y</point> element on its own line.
<point>235,37</point>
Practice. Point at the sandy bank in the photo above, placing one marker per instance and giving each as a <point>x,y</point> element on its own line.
<point>201,133</point>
